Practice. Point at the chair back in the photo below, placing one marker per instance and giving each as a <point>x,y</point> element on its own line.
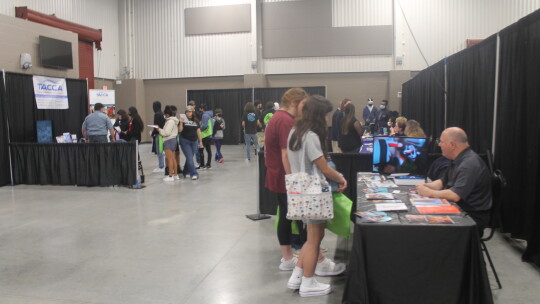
<point>498,182</point>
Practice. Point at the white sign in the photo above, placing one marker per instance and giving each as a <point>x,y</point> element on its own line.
<point>105,97</point>
<point>51,93</point>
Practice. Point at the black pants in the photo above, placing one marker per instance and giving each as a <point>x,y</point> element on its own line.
<point>207,143</point>
<point>284,230</point>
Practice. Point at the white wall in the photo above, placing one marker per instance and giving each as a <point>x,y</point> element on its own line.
<point>148,36</point>
<point>99,14</point>
<point>161,50</point>
<point>440,26</point>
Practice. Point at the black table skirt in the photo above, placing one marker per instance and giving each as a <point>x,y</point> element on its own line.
<point>83,164</point>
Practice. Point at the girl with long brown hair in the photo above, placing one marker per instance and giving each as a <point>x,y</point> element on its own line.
<point>307,151</point>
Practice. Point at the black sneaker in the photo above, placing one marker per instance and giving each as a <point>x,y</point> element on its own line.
<point>199,167</point>
<point>208,167</point>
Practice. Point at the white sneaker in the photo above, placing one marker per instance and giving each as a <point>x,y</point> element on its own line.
<point>194,177</point>
<point>168,179</point>
<point>176,177</point>
<point>296,278</point>
<point>311,288</point>
<point>328,268</point>
<point>288,265</point>
<point>158,170</point>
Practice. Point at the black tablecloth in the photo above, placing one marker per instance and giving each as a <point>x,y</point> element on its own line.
<point>83,164</point>
<point>399,262</point>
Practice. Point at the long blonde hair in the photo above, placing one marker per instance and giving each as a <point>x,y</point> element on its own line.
<point>413,129</point>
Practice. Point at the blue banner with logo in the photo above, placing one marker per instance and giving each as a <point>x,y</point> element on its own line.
<point>51,93</point>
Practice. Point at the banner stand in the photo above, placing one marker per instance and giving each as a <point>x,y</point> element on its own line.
<point>138,182</point>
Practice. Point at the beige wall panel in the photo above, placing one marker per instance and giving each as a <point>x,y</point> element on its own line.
<point>21,36</point>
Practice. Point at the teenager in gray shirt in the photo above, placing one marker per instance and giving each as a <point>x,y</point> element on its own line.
<point>307,144</point>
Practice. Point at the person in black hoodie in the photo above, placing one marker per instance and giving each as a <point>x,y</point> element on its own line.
<point>159,120</point>
<point>135,126</point>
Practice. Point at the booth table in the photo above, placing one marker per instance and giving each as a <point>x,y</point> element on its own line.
<point>83,164</point>
<point>400,262</point>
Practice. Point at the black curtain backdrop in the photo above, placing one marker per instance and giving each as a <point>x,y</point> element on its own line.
<point>517,146</point>
<point>232,102</point>
<point>471,88</point>
<point>423,99</point>
<point>23,112</point>
<point>264,95</point>
<point>5,175</point>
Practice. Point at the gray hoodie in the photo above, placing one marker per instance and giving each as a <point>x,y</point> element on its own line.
<point>170,130</point>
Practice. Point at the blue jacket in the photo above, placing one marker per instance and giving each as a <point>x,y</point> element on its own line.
<point>369,117</point>
<point>207,115</point>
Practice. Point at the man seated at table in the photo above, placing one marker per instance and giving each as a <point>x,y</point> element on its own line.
<point>467,181</point>
<point>96,126</point>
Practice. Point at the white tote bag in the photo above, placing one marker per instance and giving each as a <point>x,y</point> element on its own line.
<point>309,197</point>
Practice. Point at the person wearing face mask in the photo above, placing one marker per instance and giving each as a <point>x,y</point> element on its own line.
<point>370,113</point>
<point>382,116</point>
<point>96,126</point>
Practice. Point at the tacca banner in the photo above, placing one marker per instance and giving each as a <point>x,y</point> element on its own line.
<point>51,93</point>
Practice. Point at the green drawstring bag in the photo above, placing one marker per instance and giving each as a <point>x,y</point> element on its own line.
<point>294,227</point>
<point>160,144</point>
<point>341,223</point>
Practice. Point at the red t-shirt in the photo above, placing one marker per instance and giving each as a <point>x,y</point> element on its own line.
<point>275,139</point>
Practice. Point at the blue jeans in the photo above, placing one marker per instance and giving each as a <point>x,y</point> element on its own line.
<point>189,148</point>
<point>160,157</point>
<point>247,139</point>
<point>218,142</point>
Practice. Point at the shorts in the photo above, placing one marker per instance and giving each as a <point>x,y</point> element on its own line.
<point>170,144</point>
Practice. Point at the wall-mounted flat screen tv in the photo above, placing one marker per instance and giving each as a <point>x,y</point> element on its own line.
<point>55,53</point>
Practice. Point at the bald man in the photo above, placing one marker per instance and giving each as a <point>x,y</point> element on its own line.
<point>467,181</point>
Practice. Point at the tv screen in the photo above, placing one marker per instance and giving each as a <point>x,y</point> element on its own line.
<point>55,53</point>
<point>400,155</point>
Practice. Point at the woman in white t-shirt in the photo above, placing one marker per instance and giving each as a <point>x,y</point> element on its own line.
<point>307,143</point>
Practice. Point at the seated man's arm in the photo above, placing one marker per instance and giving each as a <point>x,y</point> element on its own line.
<point>435,189</point>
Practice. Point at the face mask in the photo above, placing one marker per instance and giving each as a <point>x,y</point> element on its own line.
<point>370,105</point>
<point>382,107</point>
<point>389,124</point>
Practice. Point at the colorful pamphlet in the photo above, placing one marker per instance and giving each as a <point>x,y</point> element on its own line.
<point>428,219</point>
<point>428,201</point>
<point>379,196</point>
<point>391,207</point>
<point>443,209</point>
<point>373,216</point>
<point>386,201</point>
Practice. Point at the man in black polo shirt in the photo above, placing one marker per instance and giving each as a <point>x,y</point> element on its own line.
<point>467,181</point>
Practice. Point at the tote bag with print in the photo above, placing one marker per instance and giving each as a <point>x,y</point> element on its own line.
<point>308,197</point>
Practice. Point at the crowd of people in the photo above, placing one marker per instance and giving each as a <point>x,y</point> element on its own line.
<point>294,135</point>
<point>347,130</point>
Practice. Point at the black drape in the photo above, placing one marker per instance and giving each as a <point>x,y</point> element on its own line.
<point>517,147</point>
<point>423,99</point>
<point>23,112</point>
<point>5,176</point>
<point>232,102</point>
<point>471,88</point>
<point>264,95</point>
<point>83,164</point>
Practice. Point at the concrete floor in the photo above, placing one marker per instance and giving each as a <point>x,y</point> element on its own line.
<point>183,242</point>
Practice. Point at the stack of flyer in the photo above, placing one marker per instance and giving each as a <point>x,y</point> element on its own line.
<point>426,205</point>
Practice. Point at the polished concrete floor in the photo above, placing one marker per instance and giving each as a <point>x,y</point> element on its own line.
<point>182,242</point>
